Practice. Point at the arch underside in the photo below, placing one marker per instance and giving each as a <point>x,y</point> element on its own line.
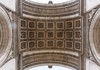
<point>5,35</point>
<point>50,58</point>
<point>51,34</point>
<point>94,35</point>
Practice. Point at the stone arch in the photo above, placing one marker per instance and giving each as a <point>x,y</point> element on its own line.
<point>53,58</point>
<point>94,35</point>
<point>5,35</point>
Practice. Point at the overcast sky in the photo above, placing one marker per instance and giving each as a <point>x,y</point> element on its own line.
<point>46,68</point>
<point>46,1</point>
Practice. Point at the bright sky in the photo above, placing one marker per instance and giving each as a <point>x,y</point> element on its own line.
<point>46,68</point>
<point>46,1</point>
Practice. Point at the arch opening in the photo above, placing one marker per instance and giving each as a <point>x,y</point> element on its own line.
<point>53,68</point>
<point>47,1</point>
<point>46,67</point>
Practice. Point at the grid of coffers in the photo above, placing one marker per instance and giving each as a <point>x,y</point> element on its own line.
<point>51,34</point>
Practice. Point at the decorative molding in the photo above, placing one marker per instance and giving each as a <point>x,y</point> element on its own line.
<point>63,34</point>
<point>45,10</point>
<point>56,58</point>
